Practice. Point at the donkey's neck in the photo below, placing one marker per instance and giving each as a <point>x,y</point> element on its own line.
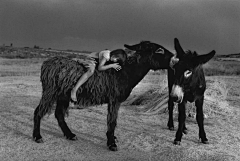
<point>137,72</point>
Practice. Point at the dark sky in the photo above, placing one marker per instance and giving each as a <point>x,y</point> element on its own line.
<point>201,25</point>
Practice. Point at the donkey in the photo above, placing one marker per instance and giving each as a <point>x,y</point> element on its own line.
<point>58,75</point>
<point>189,85</point>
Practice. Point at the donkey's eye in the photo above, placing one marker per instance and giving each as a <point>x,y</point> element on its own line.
<point>187,73</point>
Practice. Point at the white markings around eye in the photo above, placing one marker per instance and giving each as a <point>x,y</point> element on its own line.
<point>187,73</point>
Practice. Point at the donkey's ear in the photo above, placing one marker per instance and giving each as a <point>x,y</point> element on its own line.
<point>202,59</point>
<point>127,46</point>
<point>178,48</point>
<point>133,47</point>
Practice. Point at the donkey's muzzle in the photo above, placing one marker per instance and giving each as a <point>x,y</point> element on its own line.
<point>177,94</point>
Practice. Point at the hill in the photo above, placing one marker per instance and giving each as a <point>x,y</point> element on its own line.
<point>26,52</point>
<point>228,57</point>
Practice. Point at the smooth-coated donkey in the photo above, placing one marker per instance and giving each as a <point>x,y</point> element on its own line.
<point>189,85</point>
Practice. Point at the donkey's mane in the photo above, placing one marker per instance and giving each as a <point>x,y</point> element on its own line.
<point>190,54</point>
<point>144,41</point>
<point>133,58</point>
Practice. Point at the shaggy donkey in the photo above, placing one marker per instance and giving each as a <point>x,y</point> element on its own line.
<point>59,75</point>
<point>189,85</point>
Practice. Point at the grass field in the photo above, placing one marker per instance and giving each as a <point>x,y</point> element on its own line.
<point>222,68</point>
<point>142,124</point>
<point>221,65</point>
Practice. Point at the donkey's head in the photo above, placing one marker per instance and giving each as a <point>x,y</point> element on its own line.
<point>154,54</point>
<point>189,77</point>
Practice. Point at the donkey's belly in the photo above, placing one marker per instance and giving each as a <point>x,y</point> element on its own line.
<point>190,97</point>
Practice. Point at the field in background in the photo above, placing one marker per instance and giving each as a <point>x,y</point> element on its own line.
<point>142,124</point>
<point>220,65</point>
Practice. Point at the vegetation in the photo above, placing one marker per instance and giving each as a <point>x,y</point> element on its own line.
<point>36,52</point>
<point>221,65</point>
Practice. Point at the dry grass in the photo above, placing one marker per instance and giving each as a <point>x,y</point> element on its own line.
<point>142,129</point>
<point>215,67</point>
<point>20,67</point>
<point>154,99</point>
<point>220,65</point>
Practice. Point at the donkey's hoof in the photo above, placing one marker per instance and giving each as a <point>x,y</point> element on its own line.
<point>185,131</point>
<point>176,142</point>
<point>38,140</point>
<point>72,138</point>
<point>204,141</point>
<point>113,147</point>
<point>171,128</point>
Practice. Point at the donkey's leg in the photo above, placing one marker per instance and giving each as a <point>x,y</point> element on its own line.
<point>170,100</point>
<point>181,122</point>
<point>112,123</point>
<point>170,113</point>
<point>200,119</point>
<point>60,112</point>
<point>44,107</point>
<point>36,129</point>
